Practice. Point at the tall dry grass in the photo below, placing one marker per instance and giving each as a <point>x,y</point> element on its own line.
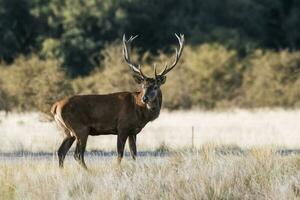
<point>252,168</point>
<point>203,174</point>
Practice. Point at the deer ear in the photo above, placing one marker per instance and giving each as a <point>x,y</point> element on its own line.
<point>138,79</point>
<point>162,79</point>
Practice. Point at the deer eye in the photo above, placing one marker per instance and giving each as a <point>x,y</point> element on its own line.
<point>155,87</point>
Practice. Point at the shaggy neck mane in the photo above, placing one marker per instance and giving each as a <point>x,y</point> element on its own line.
<point>146,113</point>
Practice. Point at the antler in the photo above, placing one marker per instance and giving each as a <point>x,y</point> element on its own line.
<point>178,54</point>
<point>135,67</point>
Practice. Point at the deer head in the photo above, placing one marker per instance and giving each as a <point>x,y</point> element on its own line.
<point>150,86</point>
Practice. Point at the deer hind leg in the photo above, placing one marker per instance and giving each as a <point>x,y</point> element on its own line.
<point>80,149</point>
<point>132,146</point>
<point>64,148</point>
<point>120,147</point>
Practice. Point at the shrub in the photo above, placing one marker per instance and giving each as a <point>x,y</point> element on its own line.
<point>272,79</point>
<point>177,91</point>
<point>4,98</point>
<point>113,75</point>
<point>207,76</point>
<point>34,84</point>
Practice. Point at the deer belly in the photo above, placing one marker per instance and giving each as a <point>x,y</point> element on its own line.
<point>102,131</point>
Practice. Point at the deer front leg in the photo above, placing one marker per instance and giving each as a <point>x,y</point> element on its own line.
<point>132,146</point>
<point>120,146</point>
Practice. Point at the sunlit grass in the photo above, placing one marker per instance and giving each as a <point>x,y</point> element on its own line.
<point>198,174</point>
<point>237,154</point>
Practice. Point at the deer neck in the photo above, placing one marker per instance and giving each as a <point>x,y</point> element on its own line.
<point>150,111</point>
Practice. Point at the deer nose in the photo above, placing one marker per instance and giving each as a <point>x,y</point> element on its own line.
<point>145,99</point>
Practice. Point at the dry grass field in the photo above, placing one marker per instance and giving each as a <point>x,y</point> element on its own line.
<point>202,174</point>
<point>238,154</point>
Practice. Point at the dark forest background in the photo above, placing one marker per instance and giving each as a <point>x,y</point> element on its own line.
<point>241,53</point>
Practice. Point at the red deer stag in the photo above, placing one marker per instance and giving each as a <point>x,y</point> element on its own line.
<point>123,114</point>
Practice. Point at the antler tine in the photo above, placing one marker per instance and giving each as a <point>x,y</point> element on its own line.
<point>177,54</point>
<point>132,38</point>
<point>166,66</point>
<point>135,67</point>
<point>126,50</point>
<point>155,71</point>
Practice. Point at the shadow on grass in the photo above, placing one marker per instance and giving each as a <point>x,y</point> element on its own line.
<point>236,151</point>
<point>42,155</point>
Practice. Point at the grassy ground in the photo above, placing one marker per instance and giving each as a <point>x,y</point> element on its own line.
<point>202,174</point>
<point>238,155</point>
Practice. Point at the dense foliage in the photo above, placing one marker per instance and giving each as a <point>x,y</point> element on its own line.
<point>77,30</point>
<point>238,53</point>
